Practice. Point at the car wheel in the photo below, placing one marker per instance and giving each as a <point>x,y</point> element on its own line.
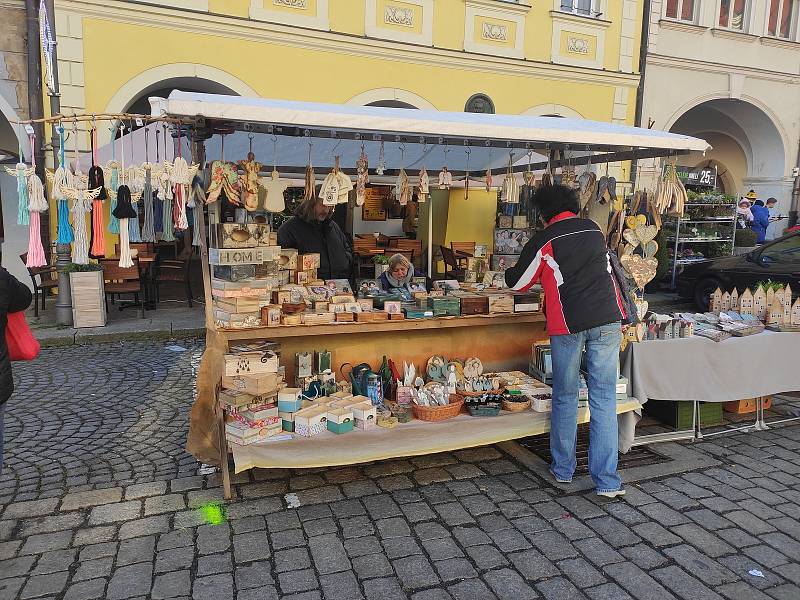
<point>702,290</point>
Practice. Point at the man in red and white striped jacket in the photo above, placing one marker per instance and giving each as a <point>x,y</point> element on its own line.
<point>584,310</point>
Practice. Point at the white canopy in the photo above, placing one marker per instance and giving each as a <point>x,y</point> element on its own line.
<point>423,136</point>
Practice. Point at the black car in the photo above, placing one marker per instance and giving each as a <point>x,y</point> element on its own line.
<point>778,260</point>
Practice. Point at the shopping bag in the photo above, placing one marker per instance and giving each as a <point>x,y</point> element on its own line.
<point>19,338</point>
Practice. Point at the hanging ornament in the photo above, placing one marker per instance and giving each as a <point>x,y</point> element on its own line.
<point>167,225</point>
<point>180,176</point>
<point>423,191</point>
<point>274,186</point>
<point>329,192</point>
<point>248,180</point>
<point>445,176</point>
<point>37,203</point>
<point>510,192</point>
<point>136,181</point>
<point>488,179</point>
<point>148,226</point>
<point>81,197</point>
<point>224,178</point>
<point>124,211</point>
<point>111,174</point>
<point>529,177</point>
<point>21,171</point>
<point>59,179</point>
<point>362,177</point>
<point>158,191</point>
<point>310,183</point>
<point>381,168</point>
<point>197,198</point>
<point>402,189</point>
<point>97,245</point>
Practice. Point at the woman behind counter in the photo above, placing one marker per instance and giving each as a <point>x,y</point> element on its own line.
<point>398,275</point>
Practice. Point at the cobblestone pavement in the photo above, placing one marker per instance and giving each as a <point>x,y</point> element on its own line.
<point>100,501</point>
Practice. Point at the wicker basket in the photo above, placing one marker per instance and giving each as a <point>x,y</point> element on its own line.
<point>439,413</point>
<point>516,406</point>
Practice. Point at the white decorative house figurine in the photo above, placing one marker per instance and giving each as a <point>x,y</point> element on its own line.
<point>760,303</point>
<point>787,305</point>
<point>770,297</point>
<point>795,318</point>
<point>746,302</point>
<point>775,316</point>
<point>725,302</point>
<point>734,299</point>
<point>715,303</point>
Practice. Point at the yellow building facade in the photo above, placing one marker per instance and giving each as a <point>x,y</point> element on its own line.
<point>572,58</point>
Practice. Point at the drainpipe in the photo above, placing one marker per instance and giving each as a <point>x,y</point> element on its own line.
<point>35,104</point>
<point>795,193</point>
<point>643,45</point>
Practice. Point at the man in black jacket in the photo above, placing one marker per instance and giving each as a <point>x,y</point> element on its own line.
<point>583,307</point>
<point>312,229</point>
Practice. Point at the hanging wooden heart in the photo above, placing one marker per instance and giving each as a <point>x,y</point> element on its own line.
<point>641,219</point>
<point>642,306</point>
<point>646,233</point>
<point>631,237</point>
<point>631,222</point>
<point>641,270</point>
<point>650,248</point>
<point>628,249</point>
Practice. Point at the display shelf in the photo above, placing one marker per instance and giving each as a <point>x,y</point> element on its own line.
<point>696,240</point>
<point>707,220</point>
<point>691,204</point>
<point>408,439</point>
<point>288,331</point>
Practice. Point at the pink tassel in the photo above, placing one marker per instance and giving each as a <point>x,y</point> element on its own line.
<point>35,249</point>
<point>98,235</point>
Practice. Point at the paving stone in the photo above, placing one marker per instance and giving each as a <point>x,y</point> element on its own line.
<point>506,583</point>
<point>86,590</point>
<point>392,528</point>
<point>37,544</point>
<point>9,549</point>
<point>790,571</point>
<point>130,581</point>
<point>98,551</point>
<point>212,539</point>
<point>363,546</point>
<point>255,575</point>
<point>453,569</point>
<point>415,572</point>
<point>174,559</point>
<point>146,526</point>
<point>298,581</point>
<point>656,535</point>
<point>213,564</point>
<point>319,527</point>
<point>94,535</point>
<point>644,556</point>
<point>598,552</point>
<point>136,550</point>
<point>50,524</point>
<point>690,559</point>
<point>749,522</point>
<point>638,583</point>
<point>142,490</point>
<point>110,513</point>
<point>175,539</point>
<point>269,592</point>
<point>253,507</point>
<point>737,538</point>
<point>573,529</point>
<point>89,498</point>
<point>663,514</point>
<point>532,565</point>
<point>478,505</point>
<point>430,531</point>
<point>581,573</point>
<point>161,504</point>
<point>472,589</point>
<point>357,489</point>
<point>288,539</point>
<point>382,507</point>
<point>559,588</point>
<point>31,508</point>
<point>471,536</point>
<point>708,519</point>
<point>686,586</point>
<point>418,511</point>
<point>292,560</point>
<point>9,588</point>
<point>787,591</point>
<point>171,585</point>
<point>486,557</point>
<point>372,565</point>
<point>340,586</point>
<point>442,548</point>
<point>41,585</point>
<point>328,554</point>
<point>57,560</point>
<point>93,569</point>
<point>608,591</point>
<point>400,547</point>
<point>251,546</point>
<point>282,521</point>
<point>781,542</point>
<point>613,532</point>
<point>386,588</point>
<point>553,545</point>
<point>213,587</point>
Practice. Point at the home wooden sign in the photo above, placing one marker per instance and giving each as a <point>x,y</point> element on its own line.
<point>242,256</point>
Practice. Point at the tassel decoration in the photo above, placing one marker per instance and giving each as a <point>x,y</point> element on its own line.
<point>113,222</point>
<point>148,227</point>
<point>80,249</point>
<point>167,234</point>
<point>36,256</point>
<point>134,233</point>
<point>37,203</point>
<point>124,211</point>
<point>22,195</point>
<point>65,235</point>
<point>98,242</point>
<point>158,216</point>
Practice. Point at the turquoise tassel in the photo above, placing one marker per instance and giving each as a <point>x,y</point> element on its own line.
<point>113,222</point>
<point>23,218</point>
<point>65,235</point>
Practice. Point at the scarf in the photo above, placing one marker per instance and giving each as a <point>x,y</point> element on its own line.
<point>400,283</point>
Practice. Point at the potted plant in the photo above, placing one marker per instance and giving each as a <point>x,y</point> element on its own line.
<point>88,295</point>
<point>381,264</point>
<point>744,241</point>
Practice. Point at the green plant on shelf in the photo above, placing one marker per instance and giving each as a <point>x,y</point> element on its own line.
<point>768,285</point>
<point>87,268</point>
<point>380,259</point>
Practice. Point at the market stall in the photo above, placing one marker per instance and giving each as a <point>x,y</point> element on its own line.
<point>271,330</point>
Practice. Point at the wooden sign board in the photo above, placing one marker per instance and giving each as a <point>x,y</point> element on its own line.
<point>375,201</point>
<point>242,256</point>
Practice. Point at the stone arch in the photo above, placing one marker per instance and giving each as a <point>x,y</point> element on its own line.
<point>550,110</point>
<point>7,131</point>
<point>384,95</point>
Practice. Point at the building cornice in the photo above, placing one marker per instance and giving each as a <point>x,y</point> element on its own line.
<point>558,15</point>
<point>682,26</point>
<point>730,34</point>
<point>779,43</point>
<point>678,63</point>
<point>148,15</point>
<point>501,5</point>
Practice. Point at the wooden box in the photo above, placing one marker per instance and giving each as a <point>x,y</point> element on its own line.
<point>741,407</point>
<point>318,318</point>
<point>287,259</point>
<point>251,363</point>
<point>239,235</point>
<point>679,414</point>
<point>474,304</point>
<point>371,316</point>
<point>88,302</point>
<point>340,420</point>
<point>230,398</point>
<point>290,399</point>
<point>520,222</point>
<point>228,320</point>
<point>267,269</point>
<point>258,385</point>
<point>302,277</point>
<point>271,315</point>
<point>281,297</point>
<point>240,304</point>
<point>500,303</point>
<point>311,421</point>
<point>418,313</point>
<point>505,221</point>
<point>393,307</point>
<point>396,316</point>
<point>527,302</point>
<point>307,262</point>
<point>344,316</point>
<point>242,256</point>
<point>234,272</point>
<point>292,319</point>
<point>447,306</point>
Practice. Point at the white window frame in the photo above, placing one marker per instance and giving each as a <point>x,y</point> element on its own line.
<point>679,12</point>
<point>594,8</point>
<point>792,25</point>
<point>748,6</point>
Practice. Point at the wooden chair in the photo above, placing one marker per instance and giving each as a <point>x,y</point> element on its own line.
<point>462,251</point>
<point>122,280</point>
<point>451,268</point>
<point>175,271</point>
<point>414,245</point>
<point>143,248</point>
<point>363,248</point>
<point>47,281</point>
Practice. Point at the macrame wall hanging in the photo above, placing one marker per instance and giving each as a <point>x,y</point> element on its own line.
<point>82,198</point>
<point>136,185</point>
<point>124,211</point>
<point>59,179</point>
<point>167,231</point>
<point>37,204</point>
<point>180,176</point>
<point>158,191</point>
<point>112,175</point>
<point>197,198</point>
<point>21,171</point>
<point>362,177</point>
<point>97,180</point>
<point>148,226</point>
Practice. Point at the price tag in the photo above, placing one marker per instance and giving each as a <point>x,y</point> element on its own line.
<point>139,122</point>
<point>29,129</point>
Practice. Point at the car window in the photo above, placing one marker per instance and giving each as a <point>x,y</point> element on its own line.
<point>785,251</point>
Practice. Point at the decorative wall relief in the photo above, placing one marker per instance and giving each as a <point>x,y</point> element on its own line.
<point>291,3</point>
<point>578,45</point>
<point>394,15</point>
<point>494,32</point>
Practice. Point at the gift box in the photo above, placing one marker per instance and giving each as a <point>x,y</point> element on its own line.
<point>228,320</point>
<point>258,385</point>
<point>340,420</point>
<point>239,235</point>
<point>287,259</point>
<point>239,304</point>
<point>474,304</point>
<point>230,398</point>
<point>287,421</point>
<point>311,421</point>
<point>290,399</point>
<point>259,412</point>
<point>234,272</point>
<point>307,262</point>
<point>251,363</point>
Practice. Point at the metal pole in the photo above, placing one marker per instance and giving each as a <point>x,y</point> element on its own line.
<point>63,253</point>
<point>430,236</point>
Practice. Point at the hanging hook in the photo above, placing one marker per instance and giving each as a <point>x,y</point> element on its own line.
<point>250,137</point>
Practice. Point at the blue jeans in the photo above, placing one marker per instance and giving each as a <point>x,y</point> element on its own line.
<point>2,412</point>
<point>602,354</point>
